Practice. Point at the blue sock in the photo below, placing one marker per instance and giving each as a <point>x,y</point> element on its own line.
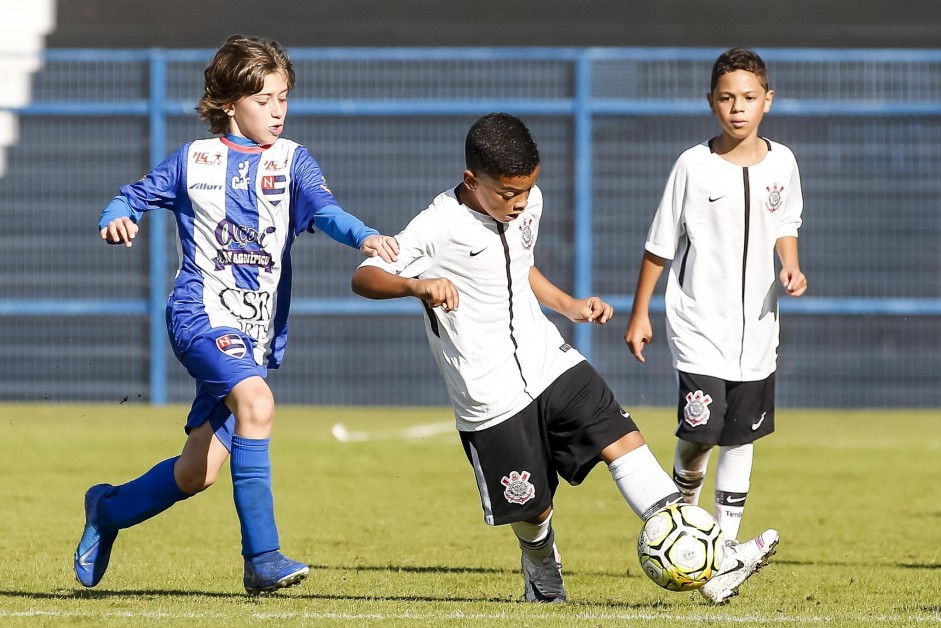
<point>254,502</point>
<point>141,499</point>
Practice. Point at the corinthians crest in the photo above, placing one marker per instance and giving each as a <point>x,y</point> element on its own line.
<point>775,198</point>
<point>526,226</point>
<point>519,489</point>
<point>696,411</point>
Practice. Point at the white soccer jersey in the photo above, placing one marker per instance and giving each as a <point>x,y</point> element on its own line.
<point>498,351</point>
<point>719,222</point>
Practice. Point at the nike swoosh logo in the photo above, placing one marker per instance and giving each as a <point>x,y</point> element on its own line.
<point>738,565</point>
<point>476,253</point>
<point>83,559</point>
<point>713,199</point>
<point>735,500</point>
<point>757,424</point>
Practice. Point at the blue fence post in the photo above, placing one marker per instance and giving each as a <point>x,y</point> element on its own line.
<point>583,184</point>
<point>158,233</point>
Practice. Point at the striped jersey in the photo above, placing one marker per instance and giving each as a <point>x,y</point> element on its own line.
<point>497,351</point>
<point>719,223</point>
<point>238,209</point>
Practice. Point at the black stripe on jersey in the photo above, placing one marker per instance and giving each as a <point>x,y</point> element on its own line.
<point>683,263</point>
<point>745,251</point>
<point>432,319</point>
<point>501,229</point>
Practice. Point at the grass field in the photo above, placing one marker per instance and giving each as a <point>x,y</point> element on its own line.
<point>392,527</point>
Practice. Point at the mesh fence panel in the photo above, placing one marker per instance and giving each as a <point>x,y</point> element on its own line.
<point>871,226</point>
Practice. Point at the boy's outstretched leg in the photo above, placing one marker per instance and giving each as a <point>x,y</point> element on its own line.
<point>642,481</point>
<point>541,563</point>
<point>94,549</point>
<point>109,509</point>
<point>741,561</point>
<point>266,569</point>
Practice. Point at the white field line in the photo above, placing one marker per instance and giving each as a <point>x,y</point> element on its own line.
<point>711,618</point>
<point>414,432</point>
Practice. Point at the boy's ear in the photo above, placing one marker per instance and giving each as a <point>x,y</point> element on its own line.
<point>470,181</point>
<point>769,97</point>
<point>712,105</point>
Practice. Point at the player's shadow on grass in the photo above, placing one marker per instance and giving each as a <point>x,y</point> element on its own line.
<point>94,594</point>
<point>851,563</point>
<point>459,570</point>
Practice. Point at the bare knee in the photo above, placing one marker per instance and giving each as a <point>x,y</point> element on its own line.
<point>690,454</point>
<point>252,404</point>
<point>198,465</point>
<point>192,480</point>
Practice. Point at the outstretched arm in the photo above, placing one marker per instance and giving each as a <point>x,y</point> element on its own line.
<point>118,222</point>
<point>793,280</point>
<point>374,283</point>
<point>639,331</point>
<point>382,245</point>
<point>590,310</point>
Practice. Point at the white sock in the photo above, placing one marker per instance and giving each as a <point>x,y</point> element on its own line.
<point>689,468</point>
<point>536,539</point>
<point>643,482</point>
<point>733,478</point>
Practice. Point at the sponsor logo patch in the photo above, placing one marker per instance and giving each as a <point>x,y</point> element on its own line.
<point>207,159</point>
<point>232,345</point>
<point>240,180</point>
<point>696,411</point>
<point>241,246</point>
<point>519,489</point>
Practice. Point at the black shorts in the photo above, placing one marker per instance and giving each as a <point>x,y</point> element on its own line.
<point>714,411</point>
<point>561,433</point>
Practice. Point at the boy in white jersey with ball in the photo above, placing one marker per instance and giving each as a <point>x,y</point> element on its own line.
<point>728,206</point>
<point>239,200</point>
<point>528,407</point>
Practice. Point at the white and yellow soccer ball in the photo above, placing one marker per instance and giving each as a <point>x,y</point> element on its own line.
<point>681,547</point>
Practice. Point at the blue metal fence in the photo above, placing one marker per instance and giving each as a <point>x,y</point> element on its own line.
<point>574,90</point>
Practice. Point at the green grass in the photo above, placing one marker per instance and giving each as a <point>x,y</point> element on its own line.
<point>394,532</point>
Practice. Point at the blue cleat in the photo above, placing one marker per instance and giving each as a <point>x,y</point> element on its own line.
<point>94,550</point>
<point>272,571</point>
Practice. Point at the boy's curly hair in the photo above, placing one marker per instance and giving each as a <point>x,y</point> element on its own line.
<point>499,145</point>
<point>739,59</point>
<point>237,70</point>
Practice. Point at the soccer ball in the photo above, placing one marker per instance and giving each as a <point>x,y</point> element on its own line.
<point>680,547</point>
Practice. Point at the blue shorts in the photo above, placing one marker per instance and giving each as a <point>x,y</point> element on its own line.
<point>218,360</point>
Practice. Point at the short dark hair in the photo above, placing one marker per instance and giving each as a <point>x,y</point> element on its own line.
<point>499,145</point>
<point>739,59</point>
<point>238,69</point>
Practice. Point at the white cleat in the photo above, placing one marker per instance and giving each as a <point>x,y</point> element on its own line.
<point>740,562</point>
<point>543,579</point>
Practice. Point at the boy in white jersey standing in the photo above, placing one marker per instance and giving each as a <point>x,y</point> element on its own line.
<point>240,200</point>
<point>728,206</point>
<point>528,407</point>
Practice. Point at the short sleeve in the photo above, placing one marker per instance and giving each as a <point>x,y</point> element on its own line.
<point>667,228</point>
<point>419,243</point>
<point>791,217</point>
